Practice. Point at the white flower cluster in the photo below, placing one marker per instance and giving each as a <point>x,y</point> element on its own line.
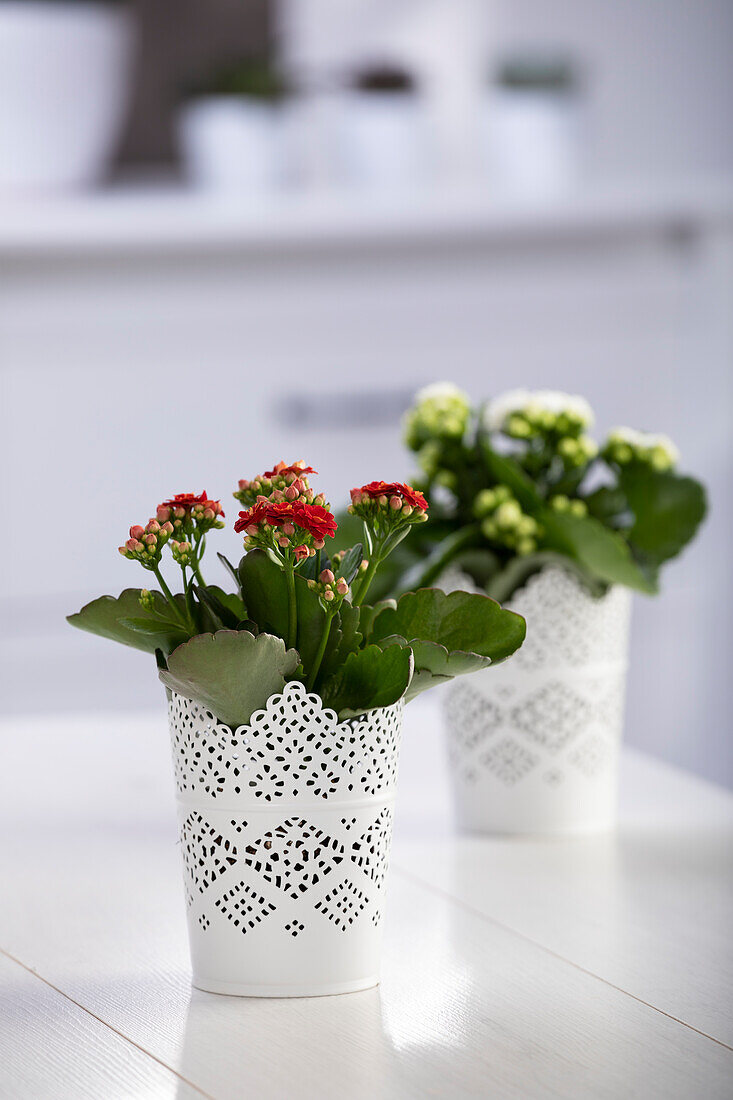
<point>441,411</point>
<point>653,448</point>
<point>540,407</point>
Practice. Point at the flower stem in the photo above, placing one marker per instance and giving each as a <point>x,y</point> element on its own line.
<point>315,667</point>
<point>367,577</point>
<point>292,606</point>
<point>190,610</point>
<point>170,597</point>
<point>196,567</point>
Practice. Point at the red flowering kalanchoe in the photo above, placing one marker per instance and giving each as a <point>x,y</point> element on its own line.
<point>287,527</point>
<point>281,483</point>
<point>388,509</point>
<point>187,510</point>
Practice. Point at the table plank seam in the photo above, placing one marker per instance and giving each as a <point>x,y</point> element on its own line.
<point>105,1023</point>
<point>419,881</point>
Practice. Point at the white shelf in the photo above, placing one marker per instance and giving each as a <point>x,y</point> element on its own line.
<point>143,219</point>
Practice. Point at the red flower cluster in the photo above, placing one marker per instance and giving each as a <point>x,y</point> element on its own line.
<point>189,501</point>
<point>390,489</point>
<point>316,520</point>
<point>299,469</point>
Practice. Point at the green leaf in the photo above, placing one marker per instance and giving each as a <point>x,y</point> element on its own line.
<point>427,571</point>
<point>350,564</point>
<point>369,678</point>
<point>231,673</point>
<point>345,638</point>
<point>435,665</point>
<point>104,616</point>
<point>667,509</point>
<point>460,621</point>
<point>506,471</point>
<point>227,606</point>
<point>231,570</point>
<point>154,627</point>
<point>369,614</point>
<point>603,552</point>
<point>518,571</point>
<point>265,593</point>
<point>606,503</point>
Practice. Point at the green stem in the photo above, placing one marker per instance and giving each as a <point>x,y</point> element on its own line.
<point>362,587</point>
<point>170,598</point>
<point>196,567</point>
<point>190,609</point>
<point>292,606</point>
<point>315,668</point>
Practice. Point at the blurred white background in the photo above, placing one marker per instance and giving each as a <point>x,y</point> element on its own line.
<point>156,337</point>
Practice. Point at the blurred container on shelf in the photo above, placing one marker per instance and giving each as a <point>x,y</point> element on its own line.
<point>382,133</point>
<point>64,80</point>
<point>234,129</point>
<point>532,127</point>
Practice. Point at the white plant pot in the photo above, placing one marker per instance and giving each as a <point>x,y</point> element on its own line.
<point>64,70</point>
<point>382,139</point>
<point>234,144</point>
<point>533,744</point>
<point>285,828</point>
<point>532,142</point>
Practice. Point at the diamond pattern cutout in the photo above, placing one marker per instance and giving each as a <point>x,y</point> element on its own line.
<point>370,851</point>
<point>509,762</point>
<point>206,853</point>
<point>244,907</point>
<point>343,905</point>
<point>294,856</point>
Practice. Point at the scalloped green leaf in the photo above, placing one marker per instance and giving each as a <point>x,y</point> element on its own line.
<point>106,617</point>
<point>460,621</point>
<point>232,673</point>
<point>369,678</point>
<point>603,552</point>
<point>667,509</point>
<point>435,665</point>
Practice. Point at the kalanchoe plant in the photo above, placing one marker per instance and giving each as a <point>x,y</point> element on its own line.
<point>295,612</point>
<point>521,483</point>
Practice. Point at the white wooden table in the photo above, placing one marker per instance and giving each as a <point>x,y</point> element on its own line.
<point>581,968</point>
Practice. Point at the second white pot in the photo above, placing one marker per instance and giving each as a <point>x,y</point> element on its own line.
<point>533,744</point>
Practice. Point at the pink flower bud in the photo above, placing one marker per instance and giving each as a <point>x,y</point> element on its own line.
<point>153,526</point>
<point>299,485</point>
<point>342,587</point>
<point>243,484</point>
<point>137,531</point>
<point>395,503</point>
<point>288,529</point>
<point>123,550</point>
<point>356,496</point>
<point>311,553</point>
<point>209,513</point>
<point>133,544</point>
<point>407,510</point>
<point>326,577</point>
<point>328,595</point>
<point>382,501</point>
<point>301,552</point>
<point>283,541</point>
<point>151,540</point>
<point>179,513</point>
<point>291,493</point>
<point>168,528</point>
<point>319,544</point>
<point>311,584</point>
<point>253,529</point>
<point>364,565</point>
<point>163,514</point>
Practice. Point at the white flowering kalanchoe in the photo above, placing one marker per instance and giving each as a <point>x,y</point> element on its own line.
<point>625,445</point>
<point>503,521</point>
<point>524,414</point>
<point>441,411</point>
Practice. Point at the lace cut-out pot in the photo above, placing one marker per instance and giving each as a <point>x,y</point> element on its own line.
<point>285,832</point>
<point>533,744</point>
